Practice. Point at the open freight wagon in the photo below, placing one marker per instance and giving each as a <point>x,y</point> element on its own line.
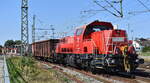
<point>44,49</point>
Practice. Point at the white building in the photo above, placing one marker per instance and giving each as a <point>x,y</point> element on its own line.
<point>137,46</point>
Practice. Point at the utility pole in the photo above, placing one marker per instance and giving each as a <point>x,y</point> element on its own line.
<point>128,29</point>
<point>24,27</point>
<point>132,35</point>
<point>33,29</point>
<point>53,32</point>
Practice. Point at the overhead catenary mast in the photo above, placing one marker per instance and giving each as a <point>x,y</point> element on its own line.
<point>53,32</point>
<point>33,29</point>
<point>24,27</point>
<point>115,12</point>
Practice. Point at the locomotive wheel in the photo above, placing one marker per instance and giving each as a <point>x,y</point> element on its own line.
<point>93,69</point>
<point>132,76</point>
<point>127,64</point>
<point>66,61</point>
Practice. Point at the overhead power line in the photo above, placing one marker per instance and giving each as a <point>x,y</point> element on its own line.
<point>115,12</point>
<point>113,6</point>
<point>138,12</point>
<point>143,4</point>
<point>88,11</point>
<point>143,11</point>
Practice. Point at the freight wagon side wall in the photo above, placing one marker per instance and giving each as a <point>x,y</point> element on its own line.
<point>52,45</point>
<point>44,49</point>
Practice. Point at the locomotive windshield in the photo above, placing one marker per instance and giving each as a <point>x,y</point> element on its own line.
<point>100,28</point>
<point>79,31</point>
<point>96,28</point>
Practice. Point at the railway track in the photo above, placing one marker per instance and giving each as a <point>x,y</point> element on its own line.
<point>59,69</point>
<point>141,75</point>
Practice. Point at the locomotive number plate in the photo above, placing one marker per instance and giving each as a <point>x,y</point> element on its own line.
<point>117,39</point>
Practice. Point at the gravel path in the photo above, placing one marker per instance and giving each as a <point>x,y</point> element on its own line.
<point>1,70</point>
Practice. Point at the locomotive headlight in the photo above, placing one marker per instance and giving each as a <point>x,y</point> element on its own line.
<point>112,61</point>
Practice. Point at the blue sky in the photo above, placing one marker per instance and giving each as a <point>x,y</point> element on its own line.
<point>64,14</point>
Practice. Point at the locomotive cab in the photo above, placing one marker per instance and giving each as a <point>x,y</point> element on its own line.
<point>95,28</point>
<point>108,46</point>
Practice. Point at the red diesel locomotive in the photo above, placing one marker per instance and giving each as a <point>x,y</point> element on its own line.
<point>97,46</point>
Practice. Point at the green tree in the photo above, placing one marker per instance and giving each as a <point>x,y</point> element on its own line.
<point>9,43</point>
<point>146,49</point>
<point>12,43</point>
<point>17,42</point>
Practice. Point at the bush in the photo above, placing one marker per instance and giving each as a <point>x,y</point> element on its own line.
<point>146,49</point>
<point>22,69</point>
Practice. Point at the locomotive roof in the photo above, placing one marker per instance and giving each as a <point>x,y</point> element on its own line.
<point>97,22</point>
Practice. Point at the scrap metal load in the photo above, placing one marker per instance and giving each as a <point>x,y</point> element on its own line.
<point>94,46</point>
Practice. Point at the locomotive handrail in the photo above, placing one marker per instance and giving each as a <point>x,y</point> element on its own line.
<point>94,43</point>
<point>113,49</point>
<point>104,48</point>
<point>93,47</point>
<point>108,42</point>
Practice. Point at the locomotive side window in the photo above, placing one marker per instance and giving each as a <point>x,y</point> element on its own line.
<point>62,40</point>
<point>79,31</point>
<point>65,50</point>
<point>62,49</point>
<point>85,49</point>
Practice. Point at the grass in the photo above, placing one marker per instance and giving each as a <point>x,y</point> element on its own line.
<point>145,56</point>
<point>145,53</point>
<point>28,70</point>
